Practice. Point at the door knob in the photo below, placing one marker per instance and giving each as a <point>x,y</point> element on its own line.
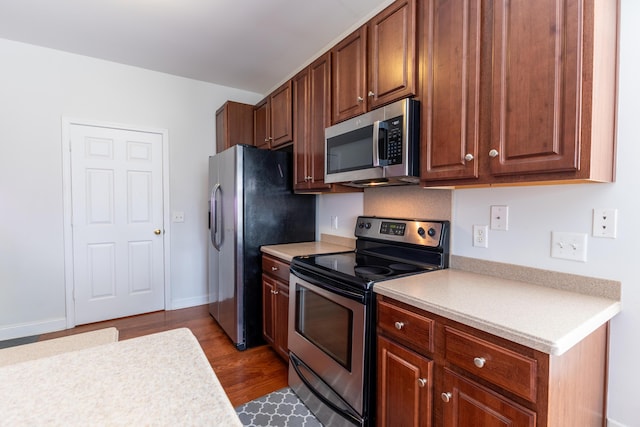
<point>157,231</point>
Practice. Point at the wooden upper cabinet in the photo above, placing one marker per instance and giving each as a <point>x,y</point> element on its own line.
<point>312,106</point>
<point>539,78</point>
<point>376,64</point>
<point>392,54</point>
<point>281,118</point>
<point>349,76</point>
<point>234,125</point>
<point>261,124</point>
<point>554,88</point>
<point>450,131</point>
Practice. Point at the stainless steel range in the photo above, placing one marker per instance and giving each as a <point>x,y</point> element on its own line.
<point>331,313</point>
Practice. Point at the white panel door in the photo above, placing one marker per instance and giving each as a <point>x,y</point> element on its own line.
<point>117,222</point>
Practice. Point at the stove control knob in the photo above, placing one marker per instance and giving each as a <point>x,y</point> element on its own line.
<point>367,225</point>
<point>360,224</point>
<point>431,232</point>
<point>421,231</point>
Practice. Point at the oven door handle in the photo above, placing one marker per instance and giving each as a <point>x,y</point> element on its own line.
<point>325,283</point>
<point>346,411</point>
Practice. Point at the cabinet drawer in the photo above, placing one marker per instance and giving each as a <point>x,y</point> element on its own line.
<point>411,328</point>
<point>275,267</point>
<point>503,367</point>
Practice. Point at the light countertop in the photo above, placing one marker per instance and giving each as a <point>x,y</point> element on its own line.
<point>545,318</point>
<point>158,379</point>
<point>327,245</point>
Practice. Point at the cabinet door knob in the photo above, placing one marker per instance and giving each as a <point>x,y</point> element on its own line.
<point>360,99</point>
<point>479,361</point>
<point>446,397</point>
<point>493,153</point>
<point>468,157</point>
<point>422,382</point>
<point>274,268</point>
<point>371,94</point>
<point>399,325</point>
<point>276,292</point>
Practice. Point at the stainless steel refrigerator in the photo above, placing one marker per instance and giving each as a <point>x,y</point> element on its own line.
<point>251,203</point>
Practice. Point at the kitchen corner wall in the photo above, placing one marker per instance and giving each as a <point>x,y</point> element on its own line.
<point>38,87</point>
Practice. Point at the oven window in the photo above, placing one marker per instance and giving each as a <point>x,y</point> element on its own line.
<point>327,324</point>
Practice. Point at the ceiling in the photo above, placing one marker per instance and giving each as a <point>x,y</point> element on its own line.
<point>247,44</point>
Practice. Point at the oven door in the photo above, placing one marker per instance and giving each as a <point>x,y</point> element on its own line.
<point>327,341</point>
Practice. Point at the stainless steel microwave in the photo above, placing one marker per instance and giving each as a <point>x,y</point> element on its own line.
<point>380,147</point>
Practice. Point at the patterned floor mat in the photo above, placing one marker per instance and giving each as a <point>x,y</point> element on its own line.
<point>281,408</point>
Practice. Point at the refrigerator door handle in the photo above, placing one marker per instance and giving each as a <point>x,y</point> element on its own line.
<point>214,216</point>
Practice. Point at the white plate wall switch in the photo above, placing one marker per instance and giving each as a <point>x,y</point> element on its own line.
<point>571,246</point>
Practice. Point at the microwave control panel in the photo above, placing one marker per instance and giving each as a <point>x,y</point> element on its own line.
<point>394,141</point>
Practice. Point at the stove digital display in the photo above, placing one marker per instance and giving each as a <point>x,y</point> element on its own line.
<point>393,228</point>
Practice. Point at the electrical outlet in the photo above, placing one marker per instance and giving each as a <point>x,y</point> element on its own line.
<point>500,218</point>
<point>605,223</point>
<point>481,236</point>
<point>571,246</point>
<point>177,217</point>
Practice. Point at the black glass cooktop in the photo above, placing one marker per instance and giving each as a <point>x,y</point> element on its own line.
<point>360,268</point>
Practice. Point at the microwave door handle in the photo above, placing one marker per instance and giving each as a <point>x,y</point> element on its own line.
<point>378,128</point>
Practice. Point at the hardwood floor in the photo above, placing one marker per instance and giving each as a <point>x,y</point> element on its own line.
<point>244,375</point>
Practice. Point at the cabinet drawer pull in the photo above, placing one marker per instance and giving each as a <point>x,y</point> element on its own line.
<point>422,382</point>
<point>446,397</point>
<point>479,362</point>
<point>274,268</point>
<point>399,325</point>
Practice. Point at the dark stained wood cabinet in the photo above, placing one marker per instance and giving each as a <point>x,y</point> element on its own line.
<point>451,104</point>
<point>519,91</point>
<point>273,119</point>
<point>478,379</point>
<point>275,304</point>
<point>312,114</point>
<point>234,125</point>
<point>280,116</point>
<point>376,64</point>
<point>261,125</point>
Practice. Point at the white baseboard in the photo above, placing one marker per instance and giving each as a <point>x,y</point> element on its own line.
<point>35,328</point>
<point>611,423</point>
<point>188,302</point>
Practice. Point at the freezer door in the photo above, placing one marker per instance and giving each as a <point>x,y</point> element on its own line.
<point>212,247</point>
<point>229,300</point>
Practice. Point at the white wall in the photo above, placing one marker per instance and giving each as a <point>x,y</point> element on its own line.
<point>37,88</point>
<point>536,211</point>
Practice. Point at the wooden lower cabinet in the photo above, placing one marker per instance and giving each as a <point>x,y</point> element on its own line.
<point>275,304</point>
<point>405,386</point>
<point>466,403</point>
<point>473,378</point>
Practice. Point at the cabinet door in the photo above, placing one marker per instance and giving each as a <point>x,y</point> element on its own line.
<point>466,403</point>
<point>536,86</point>
<point>281,314</point>
<point>348,76</point>
<point>392,54</point>
<point>280,116</point>
<point>319,118</point>
<point>451,90</point>
<point>222,142</point>
<point>301,119</point>
<point>268,314</point>
<point>261,125</point>
<point>405,386</point>
<point>234,125</point>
